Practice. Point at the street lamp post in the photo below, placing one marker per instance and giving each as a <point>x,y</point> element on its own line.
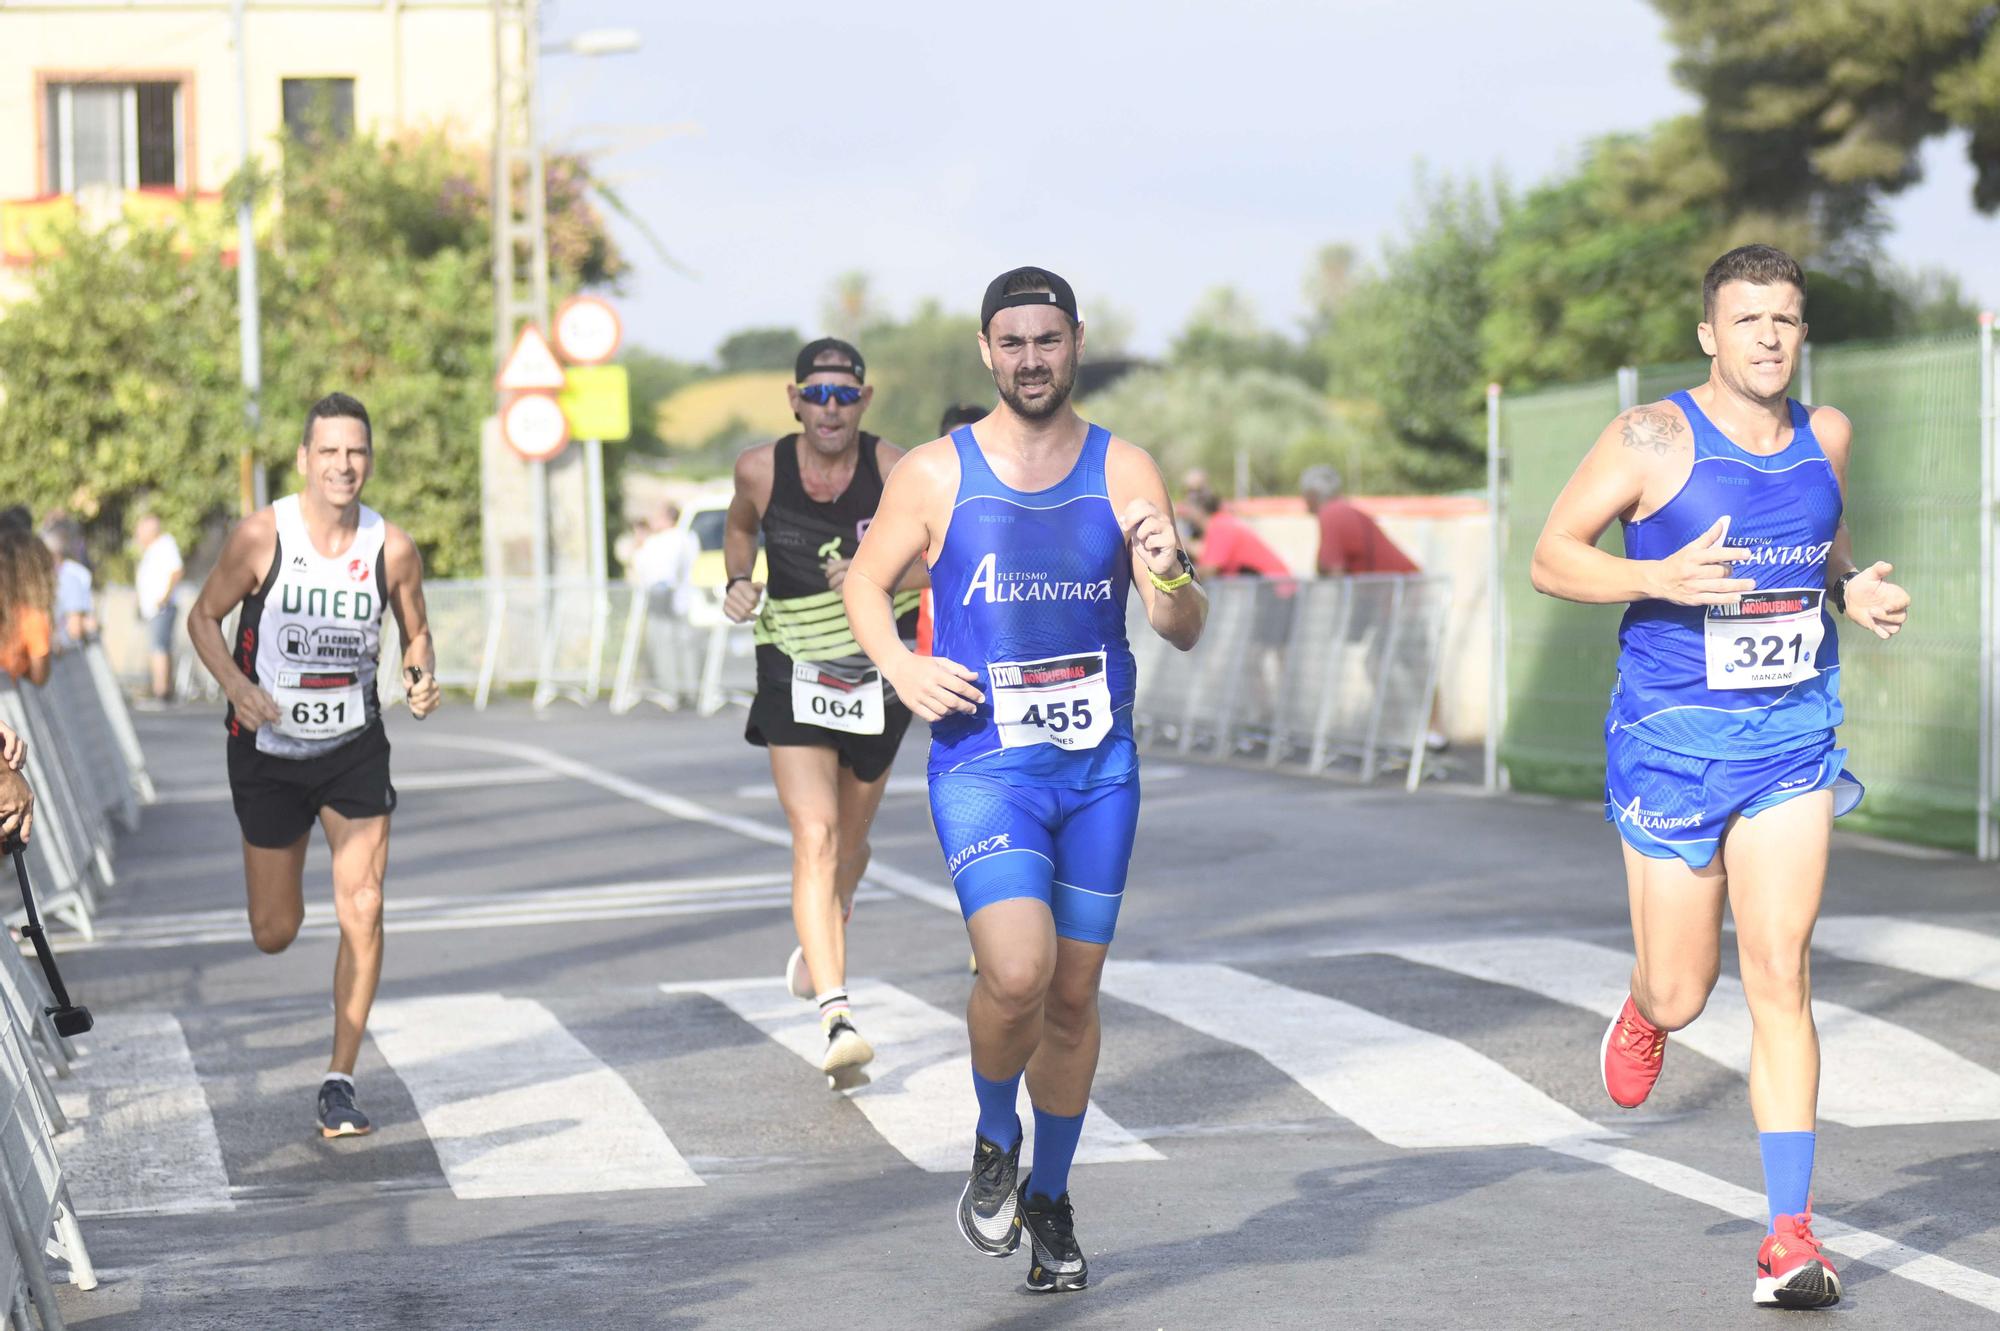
<point>251,476</point>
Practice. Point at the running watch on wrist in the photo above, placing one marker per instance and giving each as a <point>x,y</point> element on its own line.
<point>1837,593</point>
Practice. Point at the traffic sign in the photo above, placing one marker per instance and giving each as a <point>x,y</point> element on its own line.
<point>598,403</point>
<point>534,427</point>
<point>531,367</point>
<point>587,330</point>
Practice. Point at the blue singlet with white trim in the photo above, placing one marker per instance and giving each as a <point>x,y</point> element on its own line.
<point>1029,590</point>
<point>1784,509</point>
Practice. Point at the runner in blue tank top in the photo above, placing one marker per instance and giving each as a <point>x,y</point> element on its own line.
<point>1721,774</point>
<point>1036,527</point>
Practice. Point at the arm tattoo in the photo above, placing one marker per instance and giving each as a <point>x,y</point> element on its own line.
<point>1655,428</point>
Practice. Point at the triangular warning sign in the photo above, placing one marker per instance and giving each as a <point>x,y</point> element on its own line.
<point>531,366</point>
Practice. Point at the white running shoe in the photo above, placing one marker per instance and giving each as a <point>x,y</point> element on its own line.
<point>797,978</point>
<point>844,1048</point>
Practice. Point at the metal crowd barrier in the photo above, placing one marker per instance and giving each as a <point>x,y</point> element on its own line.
<point>576,641</point>
<point>1328,670</point>
<point>89,779</point>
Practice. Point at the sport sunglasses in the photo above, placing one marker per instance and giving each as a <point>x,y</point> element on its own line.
<point>821,394</point>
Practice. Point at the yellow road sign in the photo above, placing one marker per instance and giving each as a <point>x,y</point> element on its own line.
<point>597,399</point>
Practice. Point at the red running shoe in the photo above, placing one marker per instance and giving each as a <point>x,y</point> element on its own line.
<point>1631,1055</point>
<point>1790,1271</point>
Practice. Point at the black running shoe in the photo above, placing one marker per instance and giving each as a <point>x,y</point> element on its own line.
<point>1055,1261</point>
<point>988,1209</point>
<point>337,1115</point>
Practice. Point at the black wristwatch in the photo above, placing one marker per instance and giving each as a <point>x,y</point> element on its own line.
<point>1187,564</point>
<point>1837,593</point>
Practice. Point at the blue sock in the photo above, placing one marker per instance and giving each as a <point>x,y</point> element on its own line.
<point>1055,1146</point>
<point>998,1123</point>
<point>1788,1162</point>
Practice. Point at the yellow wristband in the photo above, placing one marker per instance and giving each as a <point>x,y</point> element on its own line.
<point>1169,584</point>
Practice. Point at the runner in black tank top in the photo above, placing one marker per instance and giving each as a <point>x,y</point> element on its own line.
<point>832,726</point>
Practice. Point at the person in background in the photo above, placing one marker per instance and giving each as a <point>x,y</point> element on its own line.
<point>75,610</point>
<point>1350,543</point>
<point>1229,547</point>
<point>664,564</point>
<point>1349,540</point>
<point>159,573</point>
<point>27,597</point>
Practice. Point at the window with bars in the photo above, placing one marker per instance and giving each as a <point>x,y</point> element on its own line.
<point>124,135</point>
<point>314,106</point>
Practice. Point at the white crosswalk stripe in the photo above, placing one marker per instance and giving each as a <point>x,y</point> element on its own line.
<point>1407,1087</point>
<point>920,1093</point>
<point>1875,1073</point>
<point>1940,951</point>
<point>515,1106</point>
<point>142,1138</point>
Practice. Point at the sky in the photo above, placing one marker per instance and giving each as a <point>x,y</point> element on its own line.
<point>1146,151</point>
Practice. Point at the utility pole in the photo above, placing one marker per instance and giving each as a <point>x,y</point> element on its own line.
<point>519,216</point>
<point>250,475</point>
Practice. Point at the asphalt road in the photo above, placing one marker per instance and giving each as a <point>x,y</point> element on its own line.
<point>1348,1077</point>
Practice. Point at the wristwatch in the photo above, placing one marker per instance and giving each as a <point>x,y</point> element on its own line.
<point>1837,593</point>
<point>1187,565</point>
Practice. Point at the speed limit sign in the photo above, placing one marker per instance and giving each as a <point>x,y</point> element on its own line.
<point>587,330</point>
<point>534,427</point>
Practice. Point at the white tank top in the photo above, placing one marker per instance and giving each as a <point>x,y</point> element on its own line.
<point>311,635</point>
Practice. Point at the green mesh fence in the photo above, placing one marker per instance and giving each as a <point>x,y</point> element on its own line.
<point>1913,487</point>
<point>1560,656</point>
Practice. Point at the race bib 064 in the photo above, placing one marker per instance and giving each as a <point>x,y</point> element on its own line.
<point>1769,639</point>
<point>1059,700</point>
<point>837,700</point>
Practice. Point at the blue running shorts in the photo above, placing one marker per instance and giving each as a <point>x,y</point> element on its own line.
<point>1066,848</point>
<point>1666,804</point>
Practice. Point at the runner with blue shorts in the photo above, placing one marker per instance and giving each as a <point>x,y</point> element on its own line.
<point>1035,525</point>
<point>1722,776</point>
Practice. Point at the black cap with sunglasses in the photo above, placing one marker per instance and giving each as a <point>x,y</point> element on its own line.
<point>806,366</point>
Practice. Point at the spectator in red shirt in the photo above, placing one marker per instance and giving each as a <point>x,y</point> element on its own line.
<point>1349,540</point>
<point>1229,547</point>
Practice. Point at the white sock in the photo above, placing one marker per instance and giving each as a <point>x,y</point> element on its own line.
<point>338,1076</point>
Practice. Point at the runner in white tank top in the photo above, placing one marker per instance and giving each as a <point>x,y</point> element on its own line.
<point>313,574</point>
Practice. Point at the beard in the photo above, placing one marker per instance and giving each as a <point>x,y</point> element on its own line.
<point>1060,379</point>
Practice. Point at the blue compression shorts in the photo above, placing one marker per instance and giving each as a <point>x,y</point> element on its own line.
<point>1666,804</point>
<point>1066,848</point>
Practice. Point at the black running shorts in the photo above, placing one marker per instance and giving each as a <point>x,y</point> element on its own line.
<point>279,799</point>
<point>771,725</point>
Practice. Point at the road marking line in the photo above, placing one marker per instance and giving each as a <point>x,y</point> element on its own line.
<point>142,1137</point>
<point>905,786</point>
<point>1874,1073</point>
<point>469,779</point>
<point>1404,1086</point>
<point>516,1106</point>
<point>1939,951</point>
<point>1914,1264</point>
<point>920,1096</point>
<point>612,901</point>
<point>896,880</point>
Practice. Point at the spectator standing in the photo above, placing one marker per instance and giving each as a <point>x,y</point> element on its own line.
<point>1349,540</point>
<point>159,573</point>
<point>75,608</point>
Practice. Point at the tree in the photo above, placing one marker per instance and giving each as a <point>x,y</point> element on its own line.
<point>653,380</point>
<point>1206,416</point>
<point>1224,331</point>
<point>1825,103</point>
<point>1409,338</point>
<point>758,349</point>
<point>120,369</point>
<point>850,305</point>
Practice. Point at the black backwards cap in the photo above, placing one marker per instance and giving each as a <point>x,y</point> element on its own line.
<point>1059,295</point>
<point>804,368</point>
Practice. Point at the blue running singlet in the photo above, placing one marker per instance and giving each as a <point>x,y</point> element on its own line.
<point>1029,591</point>
<point>1755,679</point>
